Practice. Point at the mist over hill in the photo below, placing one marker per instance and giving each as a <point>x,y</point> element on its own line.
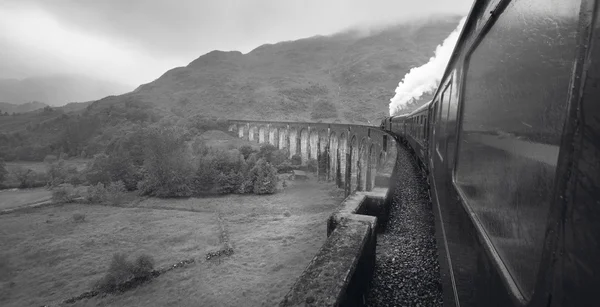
<point>347,77</point>
<point>57,90</point>
<point>10,108</point>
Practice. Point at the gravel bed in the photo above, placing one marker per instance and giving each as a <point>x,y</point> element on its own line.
<point>407,270</point>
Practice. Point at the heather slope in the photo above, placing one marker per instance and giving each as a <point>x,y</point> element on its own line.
<point>346,77</point>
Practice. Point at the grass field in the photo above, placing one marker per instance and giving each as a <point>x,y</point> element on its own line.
<point>50,258</point>
<point>19,197</point>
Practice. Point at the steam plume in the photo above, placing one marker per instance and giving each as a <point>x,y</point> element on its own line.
<point>423,79</point>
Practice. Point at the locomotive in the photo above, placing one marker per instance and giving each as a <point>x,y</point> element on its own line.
<point>510,144</point>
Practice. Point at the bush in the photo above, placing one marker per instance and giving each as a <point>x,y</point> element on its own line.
<point>312,165</point>
<point>273,155</point>
<point>115,192</point>
<point>112,194</point>
<point>205,176</point>
<point>229,183</point>
<point>167,166</point>
<point>25,177</point>
<point>265,181</point>
<point>285,167</point>
<point>59,173</point>
<point>247,150</point>
<point>122,270</point>
<point>96,193</point>
<point>3,171</point>
<point>97,170</point>
<point>296,160</point>
<point>64,193</point>
<point>79,217</point>
<point>117,167</point>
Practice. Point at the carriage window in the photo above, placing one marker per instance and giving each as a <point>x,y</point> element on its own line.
<point>425,129</point>
<point>516,91</point>
<point>440,142</point>
<point>422,125</point>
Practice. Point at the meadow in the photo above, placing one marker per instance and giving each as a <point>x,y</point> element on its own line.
<point>13,198</point>
<point>48,257</point>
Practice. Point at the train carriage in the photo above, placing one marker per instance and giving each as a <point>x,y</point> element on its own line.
<point>511,141</point>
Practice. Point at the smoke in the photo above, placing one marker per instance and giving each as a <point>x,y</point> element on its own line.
<point>424,79</point>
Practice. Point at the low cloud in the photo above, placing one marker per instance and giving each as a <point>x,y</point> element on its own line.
<point>425,78</point>
<point>134,41</point>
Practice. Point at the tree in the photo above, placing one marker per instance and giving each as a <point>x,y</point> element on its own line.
<point>247,150</point>
<point>167,165</point>
<point>24,176</point>
<point>296,160</point>
<point>3,171</point>
<point>265,181</point>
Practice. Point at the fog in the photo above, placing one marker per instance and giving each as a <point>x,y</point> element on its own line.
<point>135,41</point>
<point>425,78</point>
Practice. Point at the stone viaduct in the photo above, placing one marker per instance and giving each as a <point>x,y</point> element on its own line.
<point>351,154</point>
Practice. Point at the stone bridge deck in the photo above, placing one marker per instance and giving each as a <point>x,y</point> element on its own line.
<point>353,153</point>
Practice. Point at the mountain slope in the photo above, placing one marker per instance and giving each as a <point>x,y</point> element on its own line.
<point>57,90</point>
<point>346,78</point>
<point>21,108</point>
<point>341,78</point>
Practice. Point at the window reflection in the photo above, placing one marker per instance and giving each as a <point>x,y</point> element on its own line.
<point>513,112</point>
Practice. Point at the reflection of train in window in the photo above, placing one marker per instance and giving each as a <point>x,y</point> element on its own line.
<point>511,144</point>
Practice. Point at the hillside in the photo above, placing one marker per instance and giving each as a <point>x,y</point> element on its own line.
<point>56,90</point>
<point>20,108</point>
<point>346,77</point>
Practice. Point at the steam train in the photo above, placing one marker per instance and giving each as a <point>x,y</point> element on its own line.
<point>510,145</point>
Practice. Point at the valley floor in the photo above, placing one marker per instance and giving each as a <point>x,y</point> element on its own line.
<point>47,257</point>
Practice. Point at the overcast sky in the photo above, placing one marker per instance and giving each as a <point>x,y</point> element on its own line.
<point>135,41</point>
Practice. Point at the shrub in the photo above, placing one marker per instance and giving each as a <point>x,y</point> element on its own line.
<point>64,193</point>
<point>115,192</point>
<point>312,165</point>
<point>3,171</point>
<point>267,151</point>
<point>167,165</point>
<point>97,170</point>
<point>266,178</point>
<point>117,167</point>
<point>247,150</point>
<point>205,176</point>
<point>273,155</point>
<point>229,183</point>
<point>247,186</point>
<point>79,217</point>
<point>112,194</point>
<point>96,193</point>
<point>122,270</point>
<point>285,167</point>
<point>59,173</point>
<point>23,176</point>
<point>296,160</point>
<point>227,161</point>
